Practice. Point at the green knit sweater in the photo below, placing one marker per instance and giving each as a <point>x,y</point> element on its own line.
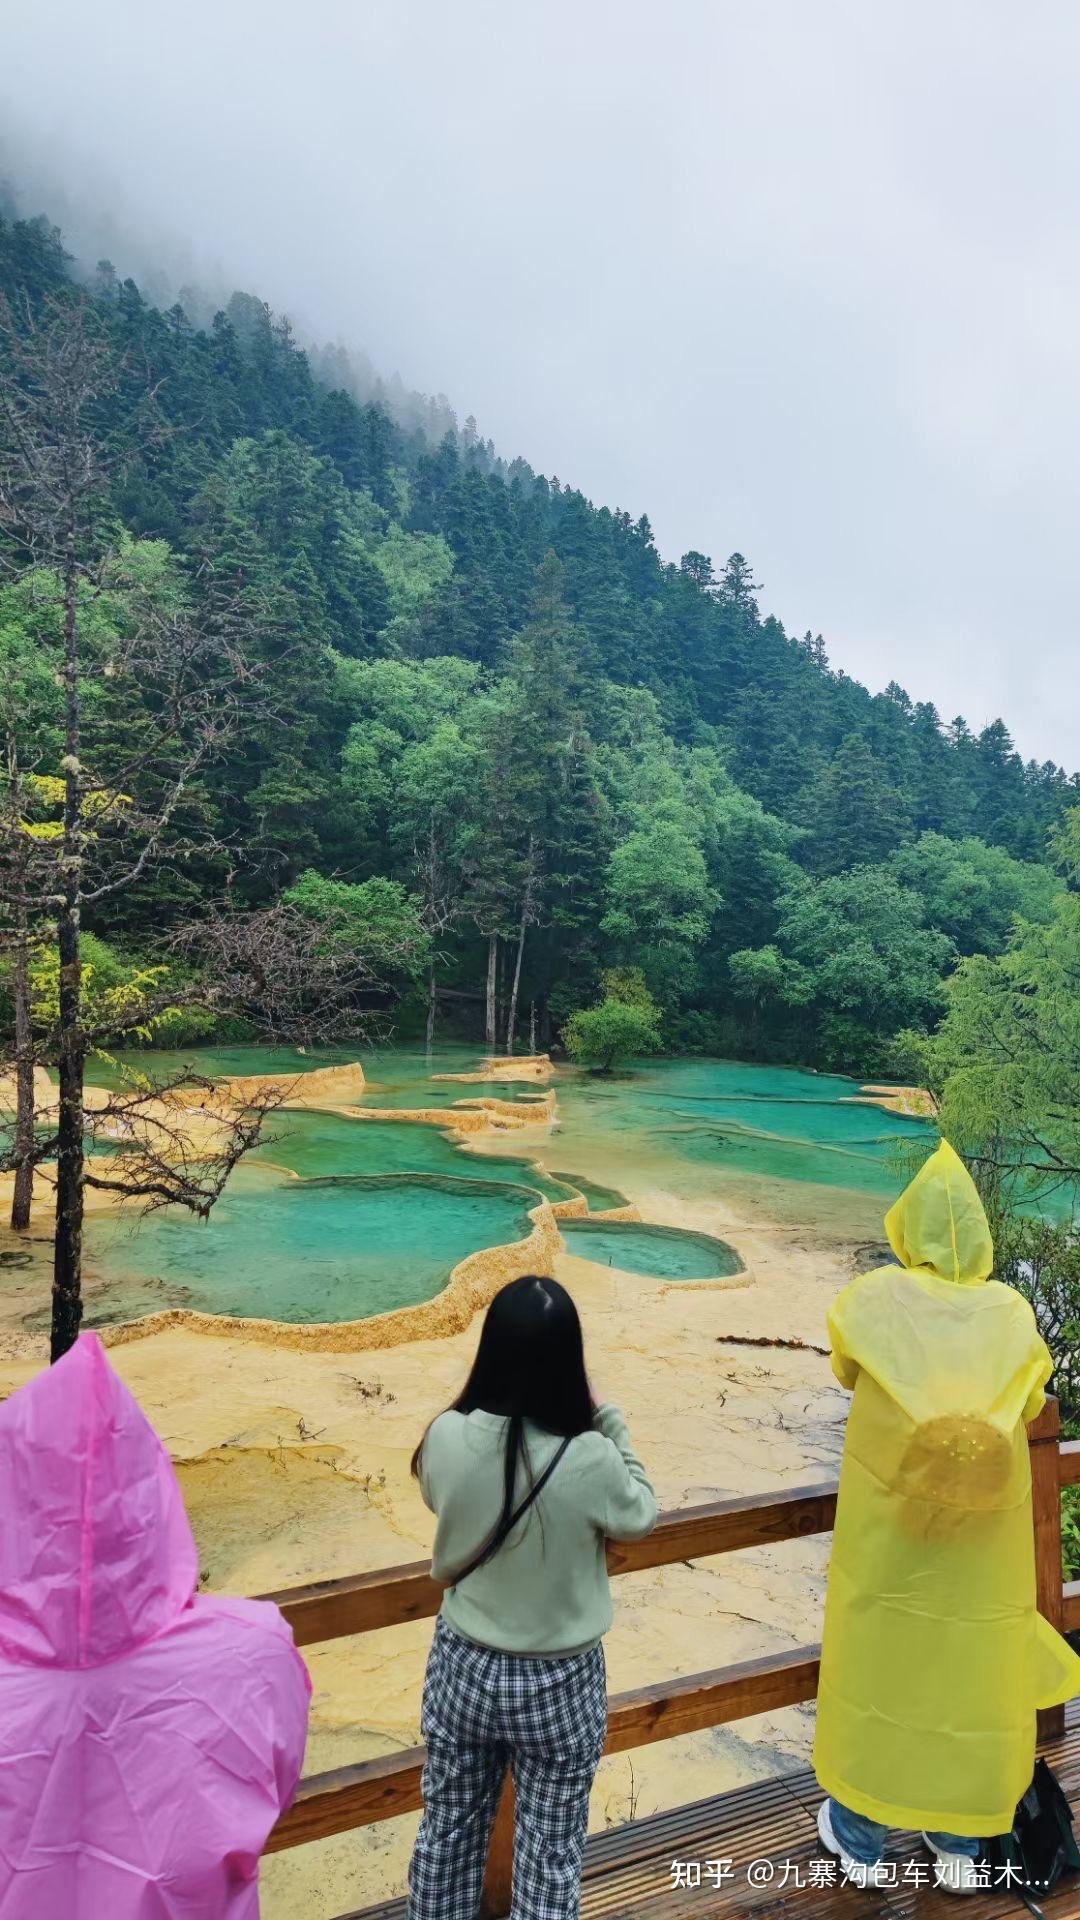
<point>546,1590</point>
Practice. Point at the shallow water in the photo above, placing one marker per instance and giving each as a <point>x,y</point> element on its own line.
<point>661,1253</point>
<point>719,1119</point>
<point>314,1144</point>
<point>354,1236</point>
<point>337,1249</point>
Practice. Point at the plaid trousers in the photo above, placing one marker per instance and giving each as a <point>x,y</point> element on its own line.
<point>485,1711</point>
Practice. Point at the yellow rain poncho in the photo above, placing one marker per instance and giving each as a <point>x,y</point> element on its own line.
<point>934,1658</point>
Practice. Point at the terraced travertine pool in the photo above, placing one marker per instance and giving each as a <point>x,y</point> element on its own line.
<point>340,1248</point>
<point>337,1218</point>
<point>700,1122</point>
<point>661,1253</point>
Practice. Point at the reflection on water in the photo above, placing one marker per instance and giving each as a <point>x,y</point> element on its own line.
<point>789,1143</point>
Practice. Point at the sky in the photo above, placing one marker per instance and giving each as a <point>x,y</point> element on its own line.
<point>795,277</point>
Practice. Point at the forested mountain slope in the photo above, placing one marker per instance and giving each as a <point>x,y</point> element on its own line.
<point>562,755</point>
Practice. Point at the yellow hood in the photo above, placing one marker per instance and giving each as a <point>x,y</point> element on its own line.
<point>938,1224</point>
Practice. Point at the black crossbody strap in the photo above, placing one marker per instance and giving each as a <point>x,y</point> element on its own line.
<point>519,1512</point>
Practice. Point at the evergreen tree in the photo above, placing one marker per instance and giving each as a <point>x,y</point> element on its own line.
<point>859,812</point>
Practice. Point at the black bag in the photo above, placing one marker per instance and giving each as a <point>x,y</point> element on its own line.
<point>1031,1859</point>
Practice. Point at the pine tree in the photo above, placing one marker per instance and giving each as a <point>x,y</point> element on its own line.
<point>859,814</point>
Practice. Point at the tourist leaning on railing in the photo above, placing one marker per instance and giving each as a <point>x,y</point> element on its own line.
<point>149,1737</point>
<point>529,1478</point>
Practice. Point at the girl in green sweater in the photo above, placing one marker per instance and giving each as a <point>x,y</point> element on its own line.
<point>528,1478</point>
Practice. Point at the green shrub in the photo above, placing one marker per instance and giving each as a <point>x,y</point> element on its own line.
<point>616,1030</point>
<point>1070,1533</point>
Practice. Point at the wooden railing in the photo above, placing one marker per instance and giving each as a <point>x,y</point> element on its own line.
<point>373,1790</point>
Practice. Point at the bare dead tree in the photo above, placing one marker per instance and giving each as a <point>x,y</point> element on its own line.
<point>144,1112</point>
<point>296,979</point>
<point>16,853</point>
<point>161,1158</point>
<point>172,691</point>
<point>52,487</point>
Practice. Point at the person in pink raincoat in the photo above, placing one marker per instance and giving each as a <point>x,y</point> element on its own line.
<point>149,1736</point>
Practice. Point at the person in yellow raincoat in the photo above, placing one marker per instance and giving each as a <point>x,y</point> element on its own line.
<point>934,1658</point>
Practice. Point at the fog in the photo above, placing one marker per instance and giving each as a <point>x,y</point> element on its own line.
<point>797,277</point>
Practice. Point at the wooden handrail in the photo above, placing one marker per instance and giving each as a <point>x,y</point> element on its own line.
<point>374,1790</point>
<point>379,1789</point>
<point>1044,1445</point>
<point>394,1595</point>
<point>356,1796</point>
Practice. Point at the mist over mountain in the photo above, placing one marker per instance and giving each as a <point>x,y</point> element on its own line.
<point>798,285</point>
<point>169,274</point>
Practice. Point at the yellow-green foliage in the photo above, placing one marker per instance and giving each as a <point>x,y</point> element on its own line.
<point>119,997</point>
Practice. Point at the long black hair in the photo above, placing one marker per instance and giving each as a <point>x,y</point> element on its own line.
<point>529,1365</point>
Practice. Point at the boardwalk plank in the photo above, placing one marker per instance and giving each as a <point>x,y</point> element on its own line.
<point>628,1869</point>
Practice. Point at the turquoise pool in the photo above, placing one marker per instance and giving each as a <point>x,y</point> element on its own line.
<point>382,1211</point>
<point>663,1253</point>
<point>340,1248</point>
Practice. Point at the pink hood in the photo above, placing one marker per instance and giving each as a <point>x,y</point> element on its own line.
<point>149,1736</point>
<point>96,1554</point>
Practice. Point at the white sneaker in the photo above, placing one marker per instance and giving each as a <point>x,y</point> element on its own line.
<point>858,1873</point>
<point>954,1872</point>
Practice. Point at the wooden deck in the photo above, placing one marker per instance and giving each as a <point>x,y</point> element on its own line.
<point>628,1871</point>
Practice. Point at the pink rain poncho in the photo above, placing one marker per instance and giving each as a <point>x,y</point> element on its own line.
<point>149,1738</point>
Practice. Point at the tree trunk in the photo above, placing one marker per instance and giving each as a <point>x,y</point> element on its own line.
<point>532,1026</point>
<point>527,914</point>
<point>23,1156</point>
<point>492,975</point>
<point>512,1020</point>
<point>67,1256</point>
<point>430,1008</point>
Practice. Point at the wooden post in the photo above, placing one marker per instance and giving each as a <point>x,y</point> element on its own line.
<point>500,1861</point>
<point>1044,1436</point>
